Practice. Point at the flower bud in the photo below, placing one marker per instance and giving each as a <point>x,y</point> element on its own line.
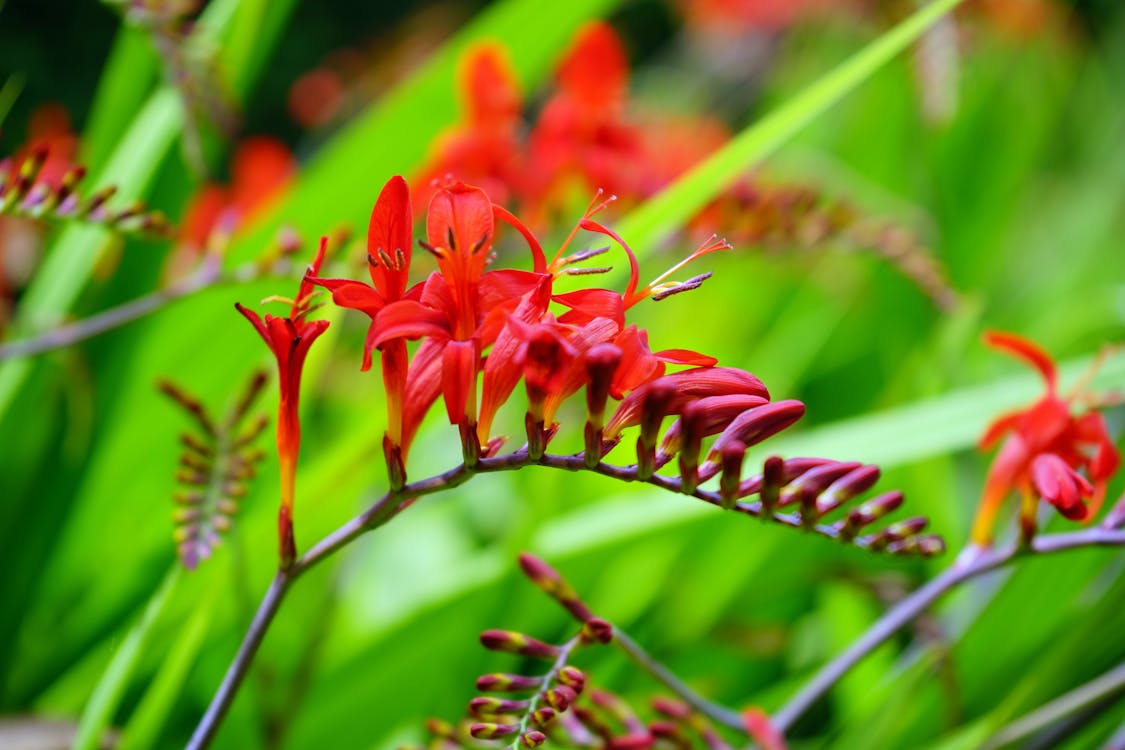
<point>655,406</point>
<point>573,678</point>
<point>868,513</point>
<point>560,698</point>
<point>517,643</point>
<point>543,716</point>
<point>597,630</point>
<point>554,585</point>
<point>499,682</point>
<point>486,707</point>
<point>601,365</point>
<point>493,731</point>
<point>533,738</point>
<point>732,454</point>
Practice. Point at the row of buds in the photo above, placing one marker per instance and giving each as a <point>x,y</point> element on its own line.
<point>216,467</point>
<point>23,192</point>
<point>550,696</point>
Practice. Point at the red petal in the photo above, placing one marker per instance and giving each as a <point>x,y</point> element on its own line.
<point>595,70</point>
<point>506,288</point>
<point>459,364</point>
<point>390,229</point>
<point>462,213</point>
<point>407,319</point>
<point>1026,350</point>
<point>354,295</point>
<point>423,384</point>
<point>1000,426</point>
<point>587,304</point>
<point>686,357</point>
<point>488,86</point>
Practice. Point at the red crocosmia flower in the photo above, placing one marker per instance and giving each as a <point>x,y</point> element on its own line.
<point>1045,447</point>
<point>389,246</point>
<point>581,134</point>
<point>483,149</point>
<point>261,169</point>
<point>460,305</point>
<point>289,338</point>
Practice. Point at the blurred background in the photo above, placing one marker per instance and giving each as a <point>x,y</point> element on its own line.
<point>975,182</point>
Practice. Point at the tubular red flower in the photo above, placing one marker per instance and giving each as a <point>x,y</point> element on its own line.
<point>289,338</point>
<point>1045,446</point>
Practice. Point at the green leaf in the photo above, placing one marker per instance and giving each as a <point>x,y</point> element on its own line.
<point>107,694</point>
<point>672,207</point>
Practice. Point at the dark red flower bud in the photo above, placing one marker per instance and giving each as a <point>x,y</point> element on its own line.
<point>554,585</point>
<point>926,545</point>
<point>868,513</point>
<point>487,707</point>
<point>573,678</point>
<point>755,425</point>
<point>541,717</point>
<point>675,709</point>
<point>898,531</point>
<point>601,365</point>
<point>597,630</point>
<point>692,425</point>
<point>772,479</point>
<point>657,400</point>
<point>731,456</point>
<point>493,731</point>
<point>816,480</point>
<point>560,697</point>
<point>1060,485</point>
<point>533,738</point>
<point>517,643</point>
<point>848,486</point>
<point>499,682</point>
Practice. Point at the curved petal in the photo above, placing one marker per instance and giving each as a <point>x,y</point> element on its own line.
<point>389,239</point>
<point>1028,351</point>
<point>354,295</point>
<point>685,357</point>
<point>407,319</point>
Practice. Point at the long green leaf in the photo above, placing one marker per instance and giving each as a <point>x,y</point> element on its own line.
<point>672,207</point>
<point>107,694</point>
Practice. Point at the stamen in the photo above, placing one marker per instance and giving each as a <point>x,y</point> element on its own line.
<point>480,244</point>
<point>386,260</point>
<point>450,239</point>
<point>676,287</point>
<point>586,271</point>
<point>438,253</point>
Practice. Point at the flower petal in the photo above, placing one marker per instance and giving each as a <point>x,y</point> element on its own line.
<point>407,319</point>
<point>389,239</point>
<point>1026,350</point>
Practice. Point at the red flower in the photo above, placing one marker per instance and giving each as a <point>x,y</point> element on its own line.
<point>483,149</point>
<point>1045,448</point>
<point>289,338</point>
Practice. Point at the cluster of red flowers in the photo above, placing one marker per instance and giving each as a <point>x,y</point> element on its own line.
<point>582,140</point>
<point>497,327</point>
<point>1045,448</point>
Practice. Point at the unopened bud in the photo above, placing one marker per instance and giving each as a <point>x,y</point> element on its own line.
<point>691,425</point>
<point>755,425</point>
<point>732,454</point>
<point>554,585</point>
<point>850,485</point>
<point>897,532</point>
<point>573,678</point>
<point>493,731</point>
<point>486,707</point>
<point>816,480</point>
<point>560,698</point>
<point>672,708</point>
<point>499,682</point>
<point>868,513</point>
<point>541,717</point>
<point>773,477</point>
<point>517,643</point>
<point>597,630</point>
<point>657,400</point>
<point>533,738</point>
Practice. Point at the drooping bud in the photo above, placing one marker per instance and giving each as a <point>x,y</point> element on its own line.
<point>498,682</point>
<point>493,731</point>
<point>601,364</point>
<point>572,677</point>
<point>867,513</point>
<point>657,400</point>
<point>845,488</point>
<point>773,477</point>
<point>731,456</point>
<point>898,531</point>
<point>554,585</point>
<point>755,425</point>
<point>543,716</point>
<point>486,707</point>
<point>816,480</point>
<point>517,643</point>
<point>1060,485</point>
<point>560,697</point>
<point>672,708</point>
<point>691,427</point>
<point>926,545</point>
<point>809,514</point>
<point>533,738</point>
<point>596,630</point>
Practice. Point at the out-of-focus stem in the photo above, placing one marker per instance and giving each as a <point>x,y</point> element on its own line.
<point>965,568</point>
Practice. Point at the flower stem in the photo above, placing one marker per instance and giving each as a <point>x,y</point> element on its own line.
<point>659,672</point>
<point>963,569</point>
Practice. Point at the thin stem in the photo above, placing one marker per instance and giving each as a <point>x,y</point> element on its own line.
<point>1085,696</point>
<point>224,696</point>
<point>206,276</point>
<point>912,606</point>
<point>717,713</point>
